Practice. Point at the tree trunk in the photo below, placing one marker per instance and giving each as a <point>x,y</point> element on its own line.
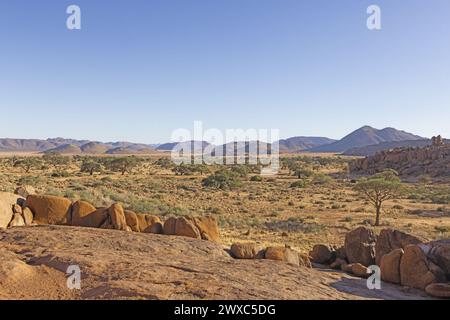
<point>377,221</point>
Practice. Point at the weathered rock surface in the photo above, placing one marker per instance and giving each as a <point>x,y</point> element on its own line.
<point>25,191</point>
<point>17,221</point>
<point>360,246</point>
<point>390,239</point>
<point>27,216</point>
<point>80,211</point>
<point>439,254</point>
<point>247,251</point>
<point>433,161</point>
<point>169,226</point>
<point>360,270</point>
<point>132,221</point>
<point>50,209</point>
<point>322,254</point>
<point>155,228</point>
<point>438,290</point>
<point>282,254</point>
<point>208,227</point>
<point>416,271</point>
<point>7,200</point>
<point>116,218</point>
<point>131,265</point>
<point>186,228</point>
<point>390,266</point>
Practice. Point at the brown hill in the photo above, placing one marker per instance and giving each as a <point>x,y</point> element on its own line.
<point>94,148</point>
<point>366,136</point>
<point>65,149</point>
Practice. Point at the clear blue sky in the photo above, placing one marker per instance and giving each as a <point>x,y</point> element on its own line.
<point>139,69</point>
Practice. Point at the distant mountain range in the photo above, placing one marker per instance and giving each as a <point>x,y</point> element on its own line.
<point>71,146</point>
<point>361,142</point>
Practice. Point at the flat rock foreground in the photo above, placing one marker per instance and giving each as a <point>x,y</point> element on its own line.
<point>129,265</point>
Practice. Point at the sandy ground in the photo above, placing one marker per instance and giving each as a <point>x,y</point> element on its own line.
<point>122,265</point>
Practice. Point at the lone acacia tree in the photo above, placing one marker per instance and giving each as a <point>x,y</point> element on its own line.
<point>380,188</point>
<point>90,166</point>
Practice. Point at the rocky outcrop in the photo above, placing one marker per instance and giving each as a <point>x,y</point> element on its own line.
<point>17,221</point>
<point>82,215</point>
<point>50,209</point>
<point>282,254</point>
<point>208,228</point>
<point>389,240</point>
<point>360,246</point>
<point>7,201</point>
<point>132,221</point>
<point>360,270</point>
<point>25,191</point>
<point>205,228</point>
<point>438,290</point>
<point>247,251</point>
<point>186,228</point>
<point>116,218</point>
<point>390,266</point>
<point>416,271</point>
<point>439,254</point>
<point>322,254</point>
<point>145,266</point>
<point>433,161</point>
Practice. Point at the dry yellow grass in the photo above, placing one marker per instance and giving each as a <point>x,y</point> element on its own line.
<point>269,212</point>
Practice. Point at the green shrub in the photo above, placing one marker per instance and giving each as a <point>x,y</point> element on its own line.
<point>256,179</point>
<point>299,184</point>
<point>223,180</point>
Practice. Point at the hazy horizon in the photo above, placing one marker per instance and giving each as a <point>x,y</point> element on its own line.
<point>136,72</point>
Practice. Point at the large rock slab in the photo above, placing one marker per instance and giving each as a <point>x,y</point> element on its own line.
<point>438,290</point>
<point>439,254</point>
<point>390,239</point>
<point>415,269</point>
<point>116,218</point>
<point>247,251</point>
<point>132,220</point>
<point>81,215</point>
<point>390,266</point>
<point>322,254</point>
<point>360,246</point>
<point>132,265</point>
<point>7,200</point>
<point>208,227</point>
<point>282,254</point>
<point>50,209</point>
<point>186,228</point>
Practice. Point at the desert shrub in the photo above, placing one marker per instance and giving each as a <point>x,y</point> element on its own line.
<point>242,170</point>
<point>335,206</point>
<point>256,179</point>
<point>321,179</point>
<point>299,184</point>
<point>294,224</point>
<point>441,229</point>
<point>121,164</point>
<point>60,174</point>
<point>223,180</point>
<point>347,219</point>
<point>164,163</point>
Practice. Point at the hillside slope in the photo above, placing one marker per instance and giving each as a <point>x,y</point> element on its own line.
<point>366,136</point>
<point>129,265</point>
